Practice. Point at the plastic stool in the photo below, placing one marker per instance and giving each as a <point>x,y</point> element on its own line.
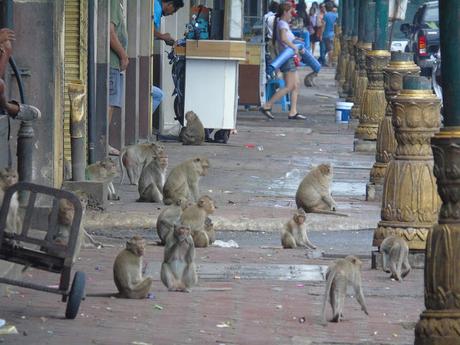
<point>270,89</point>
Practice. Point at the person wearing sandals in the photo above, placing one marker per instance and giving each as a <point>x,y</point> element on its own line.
<point>284,38</point>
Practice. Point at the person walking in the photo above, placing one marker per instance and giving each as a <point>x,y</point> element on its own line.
<point>328,36</point>
<point>282,39</point>
<point>314,14</point>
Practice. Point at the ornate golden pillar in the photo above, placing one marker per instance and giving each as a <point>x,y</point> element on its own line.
<point>410,202</point>
<point>336,50</point>
<point>348,86</point>
<point>401,65</point>
<point>361,78</point>
<point>343,63</point>
<point>373,103</point>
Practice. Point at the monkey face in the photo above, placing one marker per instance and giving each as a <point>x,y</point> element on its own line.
<point>9,176</point>
<point>190,116</point>
<point>326,169</point>
<point>163,160</point>
<point>299,219</point>
<point>354,260</point>
<point>202,165</point>
<point>181,232</point>
<point>66,212</point>
<point>136,245</point>
<point>207,203</point>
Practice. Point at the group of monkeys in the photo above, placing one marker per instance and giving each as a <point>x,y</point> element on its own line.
<point>185,224</point>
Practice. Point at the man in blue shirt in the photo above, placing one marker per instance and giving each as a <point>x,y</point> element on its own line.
<point>162,8</point>
<point>165,8</point>
<point>329,20</point>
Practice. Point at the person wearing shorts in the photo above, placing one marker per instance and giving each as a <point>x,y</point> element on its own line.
<point>118,59</point>
<point>328,36</point>
<point>284,38</point>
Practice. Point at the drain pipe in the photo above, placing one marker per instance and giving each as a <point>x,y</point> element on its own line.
<point>26,132</point>
<point>77,129</point>
<point>92,121</point>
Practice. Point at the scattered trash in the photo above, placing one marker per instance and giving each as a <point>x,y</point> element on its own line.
<point>250,146</point>
<point>98,268</point>
<point>210,190</point>
<point>150,296</point>
<point>294,174</point>
<point>260,148</point>
<point>9,329</point>
<point>375,332</point>
<point>277,289</point>
<point>225,324</point>
<point>50,332</point>
<point>223,244</point>
<point>23,317</point>
<point>301,319</point>
<point>279,307</point>
<point>44,319</point>
<point>108,308</point>
<point>300,285</point>
<point>228,192</point>
<point>158,307</point>
<point>231,202</point>
<point>237,277</point>
<point>2,323</point>
<point>395,335</point>
<point>140,343</point>
<point>281,135</point>
<point>53,286</point>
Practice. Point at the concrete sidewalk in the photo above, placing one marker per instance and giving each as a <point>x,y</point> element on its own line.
<point>255,176</point>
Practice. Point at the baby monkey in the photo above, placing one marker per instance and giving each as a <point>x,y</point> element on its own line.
<point>395,254</point>
<point>294,233</point>
<point>127,270</point>
<point>178,270</point>
<point>193,133</point>
<point>341,273</point>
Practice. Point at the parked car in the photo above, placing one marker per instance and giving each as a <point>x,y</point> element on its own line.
<point>423,36</point>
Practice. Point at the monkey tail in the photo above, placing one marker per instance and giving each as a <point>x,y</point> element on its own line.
<point>120,159</point>
<point>330,278</point>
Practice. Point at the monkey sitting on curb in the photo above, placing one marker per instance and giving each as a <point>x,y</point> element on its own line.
<point>314,192</point>
<point>134,157</point>
<point>105,170</point>
<point>195,216</point>
<point>395,255</point>
<point>183,180</point>
<point>339,274</point>
<point>169,216</point>
<point>178,270</point>
<point>193,133</point>
<point>152,179</point>
<point>294,233</point>
<point>127,270</point>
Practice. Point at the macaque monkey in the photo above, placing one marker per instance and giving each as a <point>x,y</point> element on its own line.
<point>193,133</point>
<point>152,179</point>
<point>339,274</point>
<point>209,229</point>
<point>195,216</point>
<point>294,233</point>
<point>169,216</point>
<point>178,270</point>
<point>66,213</point>
<point>105,170</point>
<point>9,177</point>
<point>127,270</point>
<point>314,193</point>
<point>395,254</point>
<point>134,157</point>
<point>182,181</point>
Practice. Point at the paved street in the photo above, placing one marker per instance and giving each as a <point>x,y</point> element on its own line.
<point>255,294</point>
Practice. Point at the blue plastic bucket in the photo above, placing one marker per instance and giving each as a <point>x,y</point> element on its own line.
<point>342,111</point>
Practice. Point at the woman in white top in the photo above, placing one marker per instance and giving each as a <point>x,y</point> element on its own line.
<point>283,38</point>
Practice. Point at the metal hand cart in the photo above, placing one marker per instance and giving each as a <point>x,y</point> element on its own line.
<point>25,249</point>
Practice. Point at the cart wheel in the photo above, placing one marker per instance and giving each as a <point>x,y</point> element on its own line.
<point>77,292</point>
<point>222,136</point>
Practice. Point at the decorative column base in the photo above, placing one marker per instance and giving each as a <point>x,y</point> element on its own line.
<point>410,202</point>
<point>439,324</point>
<point>373,103</point>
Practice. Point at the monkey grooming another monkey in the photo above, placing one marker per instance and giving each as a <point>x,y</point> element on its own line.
<point>195,216</point>
<point>314,192</point>
<point>178,270</point>
<point>9,177</point>
<point>134,157</point>
<point>294,233</point>
<point>183,180</point>
<point>127,270</point>
<point>395,254</point>
<point>193,133</point>
<point>339,274</point>
<point>152,179</point>
<point>105,170</point>
<point>168,217</point>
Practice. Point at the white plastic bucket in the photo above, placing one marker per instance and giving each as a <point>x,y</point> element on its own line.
<point>342,111</point>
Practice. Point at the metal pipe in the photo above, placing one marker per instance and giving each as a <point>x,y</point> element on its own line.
<point>77,130</point>
<point>92,120</point>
